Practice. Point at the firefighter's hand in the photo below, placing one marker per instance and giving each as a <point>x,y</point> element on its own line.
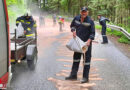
<point>88,42</point>
<point>24,32</point>
<point>74,34</point>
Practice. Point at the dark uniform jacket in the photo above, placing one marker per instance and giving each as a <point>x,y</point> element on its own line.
<point>85,30</point>
<point>28,24</point>
<point>103,20</point>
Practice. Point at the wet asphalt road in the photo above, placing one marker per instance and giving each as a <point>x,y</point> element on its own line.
<point>110,68</point>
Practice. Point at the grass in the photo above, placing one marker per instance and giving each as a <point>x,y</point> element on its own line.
<point>122,37</point>
<point>15,9</point>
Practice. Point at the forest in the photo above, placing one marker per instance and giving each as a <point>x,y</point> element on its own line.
<point>118,11</point>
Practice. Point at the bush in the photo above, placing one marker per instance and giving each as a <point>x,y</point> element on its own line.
<point>124,39</point>
<point>15,9</point>
<point>114,32</point>
<point>98,27</point>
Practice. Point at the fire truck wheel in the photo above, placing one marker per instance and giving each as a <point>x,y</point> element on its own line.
<point>32,63</point>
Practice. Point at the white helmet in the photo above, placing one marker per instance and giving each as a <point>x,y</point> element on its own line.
<point>60,17</point>
<point>27,13</point>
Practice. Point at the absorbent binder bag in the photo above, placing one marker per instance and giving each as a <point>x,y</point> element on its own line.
<point>77,45</point>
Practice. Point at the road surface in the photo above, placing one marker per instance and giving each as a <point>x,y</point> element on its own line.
<point>110,68</point>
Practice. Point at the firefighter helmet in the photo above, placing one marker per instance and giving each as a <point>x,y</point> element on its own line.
<point>27,14</point>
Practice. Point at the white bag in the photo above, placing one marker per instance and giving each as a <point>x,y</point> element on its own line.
<point>77,45</point>
<point>19,30</point>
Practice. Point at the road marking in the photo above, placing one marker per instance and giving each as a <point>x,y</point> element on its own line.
<point>73,85</point>
<point>70,85</point>
<point>98,59</point>
<point>63,60</point>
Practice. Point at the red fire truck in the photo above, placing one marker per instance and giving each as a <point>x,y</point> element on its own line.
<point>5,66</point>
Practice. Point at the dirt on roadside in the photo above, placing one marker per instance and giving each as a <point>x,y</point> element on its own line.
<point>125,48</point>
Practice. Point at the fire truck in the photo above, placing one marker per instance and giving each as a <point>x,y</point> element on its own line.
<point>5,53</point>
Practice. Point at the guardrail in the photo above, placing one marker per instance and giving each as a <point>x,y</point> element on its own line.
<point>113,27</point>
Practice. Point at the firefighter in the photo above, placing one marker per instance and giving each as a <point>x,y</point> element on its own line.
<point>54,19</point>
<point>28,24</point>
<point>102,21</point>
<point>63,20</point>
<point>41,20</point>
<point>60,23</point>
<point>83,27</point>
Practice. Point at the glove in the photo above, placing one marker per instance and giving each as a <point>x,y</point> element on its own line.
<point>73,29</point>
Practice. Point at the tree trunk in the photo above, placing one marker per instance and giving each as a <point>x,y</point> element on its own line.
<point>58,7</point>
<point>44,3</point>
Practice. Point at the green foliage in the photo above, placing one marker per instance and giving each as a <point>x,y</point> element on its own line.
<point>129,23</point>
<point>124,39</point>
<point>114,32</point>
<point>128,29</point>
<point>11,2</point>
<point>11,15</point>
<point>103,12</point>
<point>98,27</point>
<point>15,9</point>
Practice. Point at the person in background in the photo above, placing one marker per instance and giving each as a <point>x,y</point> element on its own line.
<point>54,19</point>
<point>63,21</point>
<point>102,21</point>
<point>41,20</point>
<point>60,23</point>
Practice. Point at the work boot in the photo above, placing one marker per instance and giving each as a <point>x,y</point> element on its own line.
<point>104,42</point>
<point>71,77</point>
<point>84,80</point>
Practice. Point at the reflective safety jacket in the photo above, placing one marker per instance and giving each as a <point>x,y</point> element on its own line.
<point>60,21</point>
<point>85,30</point>
<point>28,24</point>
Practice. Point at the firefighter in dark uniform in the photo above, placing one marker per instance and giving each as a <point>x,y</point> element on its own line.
<point>82,26</point>
<point>41,20</point>
<point>102,21</point>
<point>28,24</point>
<point>54,19</point>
